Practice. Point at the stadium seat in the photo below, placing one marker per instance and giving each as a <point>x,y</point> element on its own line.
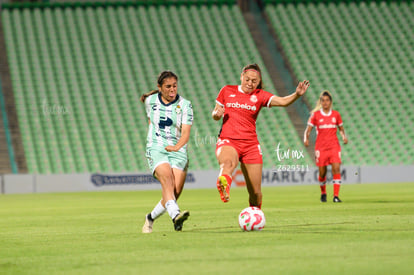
<point>96,61</point>
<point>364,57</point>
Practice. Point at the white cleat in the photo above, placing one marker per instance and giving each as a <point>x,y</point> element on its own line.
<point>147,228</point>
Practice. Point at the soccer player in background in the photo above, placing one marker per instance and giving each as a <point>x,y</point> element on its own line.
<point>170,119</point>
<point>327,148</point>
<point>239,106</point>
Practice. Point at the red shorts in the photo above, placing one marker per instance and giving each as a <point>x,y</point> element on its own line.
<point>326,157</point>
<point>249,152</point>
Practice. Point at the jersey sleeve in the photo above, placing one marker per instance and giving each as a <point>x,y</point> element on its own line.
<point>266,98</point>
<point>339,121</point>
<point>220,97</point>
<point>312,120</point>
<point>187,113</point>
<point>147,106</point>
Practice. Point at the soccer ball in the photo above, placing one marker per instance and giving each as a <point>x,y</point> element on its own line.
<point>252,218</point>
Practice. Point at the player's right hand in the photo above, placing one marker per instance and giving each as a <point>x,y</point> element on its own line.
<point>306,142</point>
<point>218,112</point>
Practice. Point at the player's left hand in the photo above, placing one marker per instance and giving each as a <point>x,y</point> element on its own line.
<point>345,140</point>
<point>302,87</point>
<point>171,148</point>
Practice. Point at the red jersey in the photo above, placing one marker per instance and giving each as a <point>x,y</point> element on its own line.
<point>326,125</point>
<point>241,111</point>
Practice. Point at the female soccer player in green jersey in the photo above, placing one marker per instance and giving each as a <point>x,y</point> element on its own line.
<point>170,119</point>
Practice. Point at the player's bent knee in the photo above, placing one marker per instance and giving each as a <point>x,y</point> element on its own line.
<point>229,164</point>
<point>167,180</point>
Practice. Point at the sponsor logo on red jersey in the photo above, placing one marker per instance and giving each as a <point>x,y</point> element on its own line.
<point>241,106</point>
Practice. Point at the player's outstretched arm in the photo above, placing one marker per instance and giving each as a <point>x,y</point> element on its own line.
<point>306,135</point>
<point>287,100</point>
<point>218,112</point>
<point>342,132</point>
<point>185,137</point>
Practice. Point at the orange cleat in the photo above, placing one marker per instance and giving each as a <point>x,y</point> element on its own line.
<point>223,186</point>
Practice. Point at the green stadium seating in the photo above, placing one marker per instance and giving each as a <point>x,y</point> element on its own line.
<point>362,53</point>
<point>94,62</point>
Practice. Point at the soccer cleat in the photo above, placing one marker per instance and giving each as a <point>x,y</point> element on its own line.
<point>323,198</point>
<point>179,220</point>
<point>224,188</point>
<point>336,199</point>
<point>147,228</point>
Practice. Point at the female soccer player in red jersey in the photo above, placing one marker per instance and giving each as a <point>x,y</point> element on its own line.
<point>239,105</point>
<point>327,148</point>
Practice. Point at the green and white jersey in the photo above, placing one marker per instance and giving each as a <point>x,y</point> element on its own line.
<point>166,120</point>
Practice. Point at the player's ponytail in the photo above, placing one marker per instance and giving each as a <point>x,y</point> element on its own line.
<point>144,96</point>
<point>318,105</point>
<point>255,67</point>
<point>160,81</point>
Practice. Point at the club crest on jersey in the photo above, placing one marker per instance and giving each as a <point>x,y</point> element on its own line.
<point>333,120</point>
<point>178,109</point>
<point>253,98</point>
<point>321,120</point>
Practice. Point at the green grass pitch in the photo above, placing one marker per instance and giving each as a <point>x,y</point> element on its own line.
<point>371,232</point>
